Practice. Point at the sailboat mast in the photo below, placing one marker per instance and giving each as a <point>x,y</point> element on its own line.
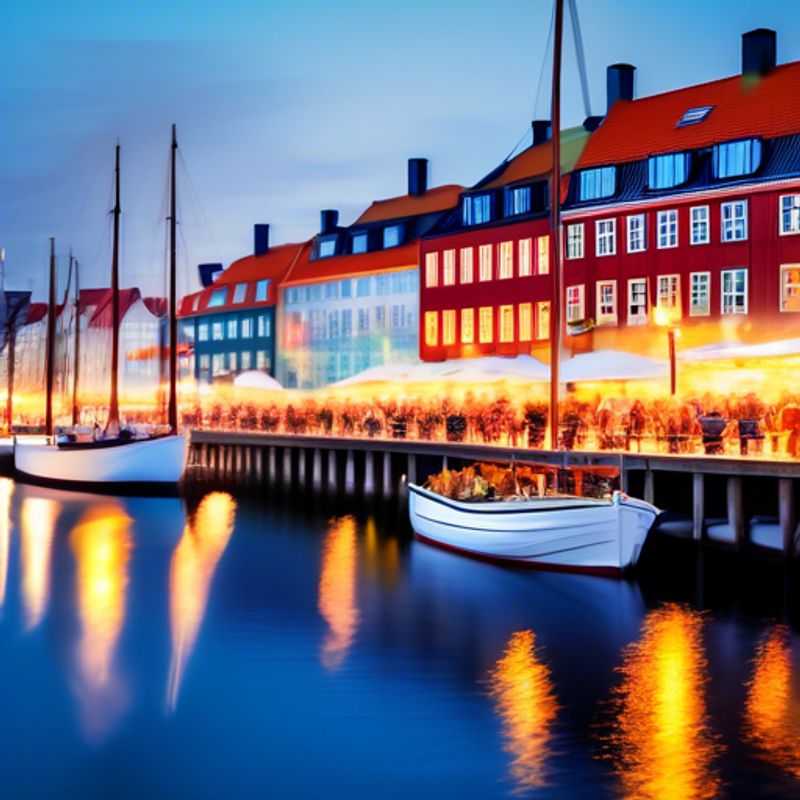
<point>113,408</point>
<point>51,342</point>
<point>173,291</point>
<point>77,353</point>
<point>555,227</point>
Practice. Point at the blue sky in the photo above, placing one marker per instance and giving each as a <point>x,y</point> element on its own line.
<point>284,108</point>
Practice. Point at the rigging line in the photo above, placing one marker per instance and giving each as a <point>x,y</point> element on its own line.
<point>545,61</point>
<point>581,56</point>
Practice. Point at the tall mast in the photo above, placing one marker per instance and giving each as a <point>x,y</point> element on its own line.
<point>51,342</point>
<point>173,315</point>
<point>113,408</point>
<point>77,355</point>
<point>555,227</point>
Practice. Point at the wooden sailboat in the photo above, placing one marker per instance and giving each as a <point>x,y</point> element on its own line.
<point>118,460</point>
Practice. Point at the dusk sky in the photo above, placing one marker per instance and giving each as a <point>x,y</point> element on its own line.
<point>284,108</point>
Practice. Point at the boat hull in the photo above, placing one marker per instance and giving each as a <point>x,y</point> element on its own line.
<point>157,462</point>
<point>571,534</point>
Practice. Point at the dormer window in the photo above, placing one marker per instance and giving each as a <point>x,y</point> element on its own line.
<point>694,115</point>
<point>517,200</point>
<point>597,183</point>
<point>239,293</point>
<point>667,171</point>
<point>477,209</point>
<point>217,298</point>
<point>392,234</point>
<point>262,291</point>
<point>359,242</point>
<point>327,247</point>
<point>732,159</point>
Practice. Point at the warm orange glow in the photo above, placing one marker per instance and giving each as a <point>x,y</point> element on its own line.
<point>6,493</point>
<point>337,591</point>
<point>526,703</point>
<point>191,571</point>
<point>661,746</point>
<point>772,709</point>
<point>38,517</point>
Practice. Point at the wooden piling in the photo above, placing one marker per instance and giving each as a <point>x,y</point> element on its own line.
<point>301,467</point>
<point>411,469</point>
<point>286,473</point>
<point>736,510</point>
<point>316,470</point>
<point>333,477</point>
<point>272,465</point>
<point>350,473</point>
<point>649,486</point>
<point>369,473</point>
<point>387,474</point>
<point>698,505</point>
<point>787,515</point>
<point>259,465</point>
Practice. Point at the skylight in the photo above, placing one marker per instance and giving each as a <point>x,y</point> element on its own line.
<point>694,115</point>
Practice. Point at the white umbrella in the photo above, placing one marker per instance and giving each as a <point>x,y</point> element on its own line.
<point>727,350</point>
<point>611,365</point>
<point>253,379</point>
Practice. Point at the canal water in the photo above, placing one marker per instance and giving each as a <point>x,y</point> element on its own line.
<point>240,648</point>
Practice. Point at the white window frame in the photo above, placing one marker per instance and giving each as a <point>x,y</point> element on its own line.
<point>610,318</point>
<point>783,285</point>
<point>575,241</point>
<point>707,221</point>
<point>467,326</point>
<point>732,205</point>
<point>540,306</point>
<point>722,293</point>
<point>642,230</point>
<point>486,312</point>
<point>525,256</point>
<point>674,301</point>
<point>641,317</point>
<point>578,302</point>
<point>525,313</point>
<point>505,313</point>
<point>543,254</point>
<point>609,236</point>
<point>467,265</point>
<point>449,268</point>
<point>485,263</point>
<point>431,270</point>
<point>693,309</point>
<point>791,231</point>
<point>449,327</point>
<point>667,216</point>
<point>505,260</point>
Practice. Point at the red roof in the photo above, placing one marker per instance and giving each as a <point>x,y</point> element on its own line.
<point>742,107</point>
<point>91,297</point>
<point>273,264</point>
<point>437,199</point>
<point>102,315</point>
<point>36,313</point>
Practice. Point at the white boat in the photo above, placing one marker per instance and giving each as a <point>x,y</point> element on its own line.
<point>559,532</point>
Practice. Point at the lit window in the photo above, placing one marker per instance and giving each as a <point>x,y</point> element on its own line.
<point>637,301</point>
<point>202,332</point>
<point>246,361</point>
<point>732,159</point>
<point>667,171</point>
<point>217,363</point>
<point>485,324</point>
<point>667,229</point>
<point>669,293</point>
<point>431,270</point>
<point>247,328</point>
<point>262,291</point>
<point>790,214</point>
<point>448,327</point>
<point>734,221</point>
<point>700,227</point>
<point>694,115</point>
<point>700,300</point>
<point>239,292</point>
<point>575,303</point>
<point>505,268</point>
<point>233,328</point>
<point>262,362</point>
<point>432,328</point>
<point>637,242</point>
<point>359,242</point>
<point>543,320</point>
<point>327,247</point>
<point>506,324</point>
<point>542,255</point>
<point>790,287</point>
<point>525,267</point>
<point>606,302</point>
<point>392,235</point>
<point>218,298</point>
<point>575,240</point>
<point>525,322</point>
<point>485,259</point>
<point>217,332</point>
<point>605,237</point>
<point>597,183</point>
<point>449,276</point>
<point>205,363</point>
<point>734,291</point>
<point>467,325</point>
<point>477,209</point>
<point>263,325</point>
<point>466,265</point>
<point>232,362</point>
<point>518,200</point>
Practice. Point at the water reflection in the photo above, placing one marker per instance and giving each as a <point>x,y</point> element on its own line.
<point>194,562</point>
<point>525,702</point>
<point>337,591</point>
<point>661,746</point>
<point>6,493</point>
<point>38,517</point>
<point>772,710</point>
<point>101,544</point>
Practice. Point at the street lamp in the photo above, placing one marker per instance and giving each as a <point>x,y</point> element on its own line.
<point>668,318</point>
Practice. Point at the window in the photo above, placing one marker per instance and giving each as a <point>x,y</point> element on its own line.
<point>431,270</point>
<point>331,290</point>
<point>246,359</point>
<point>217,332</point>
<point>700,227</point>
<point>218,298</point>
<point>667,171</point>
<point>575,303</point>
<point>217,363</point>
<point>700,299</point>
<point>392,235</point>
<point>597,183</point>
<point>518,201</point>
<point>575,240</point>
<point>485,324</point>
<point>449,326</point>
<point>432,328</point>
<point>247,328</point>
<point>233,328</point>
<point>347,322</point>
<point>505,268</point>
<point>606,302</point>
<point>363,287</point>
<point>637,242</point>
<point>359,242</point>
<point>205,363</point>
<point>262,362</point>
<point>506,324</point>
<point>263,325</point>
<point>333,325</point>
<point>790,214</point>
<point>542,255</point>
<point>467,325</point>
<point>524,255</point>
<point>734,221</point>
<point>196,302</point>
<point>790,287</point>
<point>346,288</point>
<point>669,292</point>
<point>694,115</point>
<point>363,320</point>
<point>477,209</point>
<point>262,291</point>
<point>525,322</point>
<point>637,301</point>
<point>667,229</point>
<point>449,276</point>
<point>605,237</point>
<point>380,318</point>
<point>732,159</point>
<point>239,292</point>
<point>485,266</point>
<point>466,265</point>
<point>327,247</point>
<point>734,291</point>
<point>543,319</point>
<point>202,332</point>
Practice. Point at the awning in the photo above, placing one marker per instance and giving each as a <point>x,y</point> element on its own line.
<point>730,350</point>
<point>253,379</point>
<point>611,365</point>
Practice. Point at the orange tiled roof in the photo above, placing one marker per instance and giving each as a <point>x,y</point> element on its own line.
<point>438,199</point>
<point>273,264</point>
<point>742,107</point>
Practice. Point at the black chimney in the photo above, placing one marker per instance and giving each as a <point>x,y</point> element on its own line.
<point>328,221</point>
<point>759,51</point>
<point>417,176</point>
<point>260,239</point>
<point>207,273</point>
<point>619,83</point>
<point>542,131</point>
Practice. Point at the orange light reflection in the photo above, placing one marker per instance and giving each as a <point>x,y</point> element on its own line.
<point>38,517</point>
<point>6,493</point>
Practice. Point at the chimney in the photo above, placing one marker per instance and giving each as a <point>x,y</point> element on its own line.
<point>591,124</point>
<point>542,131</point>
<point>207,273</point>
<point>260,240</point>
<point>417,176</point>
<point>328,221</point>
<point>759,51</point>
<point>619,83</point>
